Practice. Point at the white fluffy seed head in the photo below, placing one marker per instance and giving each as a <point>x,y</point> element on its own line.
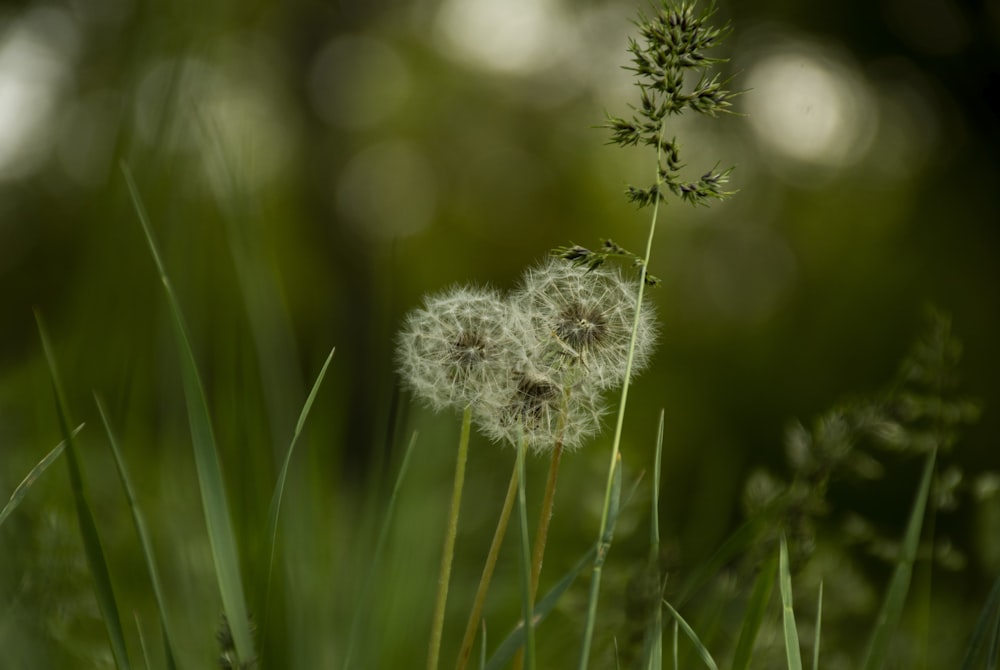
<point>456,350</point>
<point>544,409</point>
<point>583,318</point>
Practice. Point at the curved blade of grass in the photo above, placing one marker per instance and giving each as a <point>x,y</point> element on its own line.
<point>213,493</point>
<point>760,596</point>
<point>274,512</point>
<point>96,561</point>
<point>984,645</point>
<point>22,489</point>
<point>653,647</point>
<point>792,651</point>
<point>734,545</point>
<point>819,627</point>
<point>895,596</point>
<point>383,536</point>
<point>508,648</point>
<point>140,528</point>
<point>699,647</point>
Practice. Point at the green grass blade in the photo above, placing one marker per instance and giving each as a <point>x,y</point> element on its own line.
<point>735,545</point>
<point>274,512</point>
<point>508,648</point>
<point>482,649</point>
<point>819,627</point>
<point>792,651</point>
<point>376,560</point>
<point>96,561</point>
<point>213,493</point>
<point>653,651</point>
<point>984,645</point>
<point>760,596</point>
<point>22,489</point>
<point>505,652</point>
<point>892,607</point>
<point>699,647</point>
<point>142,642</point>
<point>138,520</point>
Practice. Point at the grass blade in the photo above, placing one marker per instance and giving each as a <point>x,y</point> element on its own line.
<point>760,596</point>
<point>383,536</point>
<point>213,493</point>
<point>141,530</point>
<point>508,648</point>
<point>699,647</point>
<point>984,645</point>
<point>895,597</point>
<point>792,651</point>
<point>274,512</point>
<point>654,633</point>
<point>22,489</point>
<point>96,561</point>
<point>819,627</point>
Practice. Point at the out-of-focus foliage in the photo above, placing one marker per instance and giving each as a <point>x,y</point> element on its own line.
<point>313,168</point>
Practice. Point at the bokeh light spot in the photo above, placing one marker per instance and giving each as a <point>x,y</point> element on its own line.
<point>357,82</point>
<point>810,107</point>
<point>387,190</point>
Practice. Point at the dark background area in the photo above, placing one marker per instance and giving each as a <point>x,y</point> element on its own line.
<point>312,169</point>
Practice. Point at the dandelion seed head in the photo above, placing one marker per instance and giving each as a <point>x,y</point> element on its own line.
<point>455,351</point>
<point>584,317</point>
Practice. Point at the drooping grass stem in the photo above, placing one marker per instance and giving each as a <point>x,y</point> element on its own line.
<point>448,552</point>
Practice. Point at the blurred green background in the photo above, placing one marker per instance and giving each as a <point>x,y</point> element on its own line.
<point>312,168</point>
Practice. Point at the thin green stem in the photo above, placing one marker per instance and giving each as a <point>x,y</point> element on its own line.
<point>603,546</point>
<point>542,533</point>
<point>484,582</point>
<point>444,577</point>
<point>526,595</point>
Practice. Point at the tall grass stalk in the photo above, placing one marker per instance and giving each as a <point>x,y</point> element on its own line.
<point>218,520</point>
<point>139,521</point>
<point>792,652</point>
<point>448,551</point>
<point>94,552</point>
<point>603,548</point>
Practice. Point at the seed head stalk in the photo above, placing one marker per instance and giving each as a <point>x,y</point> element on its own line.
<point>604,544</point>
<point>437,623</point>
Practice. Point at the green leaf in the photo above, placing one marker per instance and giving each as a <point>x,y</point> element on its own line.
<point>141,530</point>
<point>383,537</point>
<point>819,627</point>
<point>213,493</point>
<point>895,597</point>
<point>505,652</point>
<point>274,512</point>
<point>22,489</point>
<point>96,561</point>
<point>984,646</point>
<point>699,647</point>
<point>792,651</point>
<point>760,596</point>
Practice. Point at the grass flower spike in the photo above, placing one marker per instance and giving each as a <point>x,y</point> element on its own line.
<point>455,352</point>
<point>583,320</point>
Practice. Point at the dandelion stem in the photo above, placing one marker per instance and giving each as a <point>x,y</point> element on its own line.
<point>437,624</point>
<point>542,533</point>
<point>484,582</point>
<point>604,544</point>
<point>526,591</point>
